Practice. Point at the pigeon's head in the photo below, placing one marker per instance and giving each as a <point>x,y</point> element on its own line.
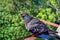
<point>24,14</point>
<point>27,18</point>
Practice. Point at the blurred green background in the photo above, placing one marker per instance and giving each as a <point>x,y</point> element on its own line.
<point>11,23</point>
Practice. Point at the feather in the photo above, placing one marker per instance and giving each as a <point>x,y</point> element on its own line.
<point>37,27</point>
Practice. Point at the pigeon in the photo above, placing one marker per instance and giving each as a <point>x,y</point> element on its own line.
<point>35,26</point>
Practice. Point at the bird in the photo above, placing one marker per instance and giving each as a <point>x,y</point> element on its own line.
<point>38,28</point>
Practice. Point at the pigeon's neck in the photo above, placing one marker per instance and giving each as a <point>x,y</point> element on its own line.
<point>28,19</point>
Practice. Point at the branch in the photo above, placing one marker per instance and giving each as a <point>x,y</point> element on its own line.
<point>50,23</point>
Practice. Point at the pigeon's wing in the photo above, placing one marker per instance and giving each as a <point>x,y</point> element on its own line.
<point>36,26</point>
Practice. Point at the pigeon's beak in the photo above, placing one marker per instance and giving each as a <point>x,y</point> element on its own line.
<point>22,15</point>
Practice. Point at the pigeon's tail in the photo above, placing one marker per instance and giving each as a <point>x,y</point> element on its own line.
<point>50,34</point>
<point>57,37</point>
<point>54,34</point>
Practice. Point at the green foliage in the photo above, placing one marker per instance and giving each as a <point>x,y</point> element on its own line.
<point>39,39</point>
<point>12,25</point>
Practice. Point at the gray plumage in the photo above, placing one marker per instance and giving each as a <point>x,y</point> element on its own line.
<point>35,26</point>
